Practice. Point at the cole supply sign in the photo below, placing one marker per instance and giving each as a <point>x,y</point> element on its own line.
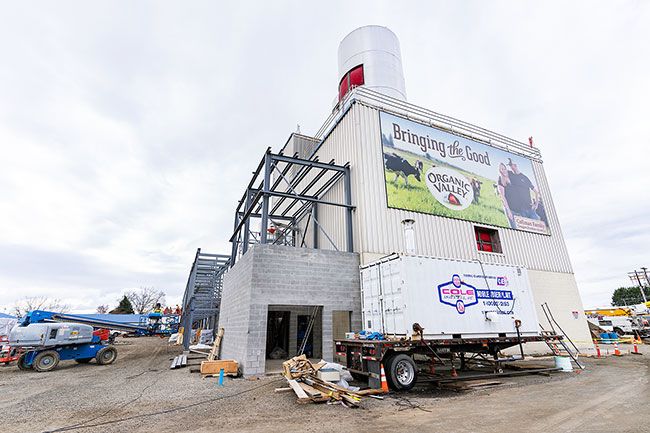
<point>432,171</point>
<point>461,295</point>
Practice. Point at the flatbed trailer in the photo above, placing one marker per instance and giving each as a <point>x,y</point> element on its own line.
<point>403,359</point>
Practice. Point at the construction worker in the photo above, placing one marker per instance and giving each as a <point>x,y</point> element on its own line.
<point>155,316</point>
<point>178,310</point>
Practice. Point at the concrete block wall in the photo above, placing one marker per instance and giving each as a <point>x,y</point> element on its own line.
<point>235,309</point>
<point>281,275</point>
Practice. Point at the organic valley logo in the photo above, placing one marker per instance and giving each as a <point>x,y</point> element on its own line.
<point>449,187</point>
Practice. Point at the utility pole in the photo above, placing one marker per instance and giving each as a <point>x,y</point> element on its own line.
<point>641,285</point>
<point>647,281</point>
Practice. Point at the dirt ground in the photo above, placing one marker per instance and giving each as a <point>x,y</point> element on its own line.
<point>138,393</point>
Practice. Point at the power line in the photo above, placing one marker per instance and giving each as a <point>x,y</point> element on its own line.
<point>161,412</point>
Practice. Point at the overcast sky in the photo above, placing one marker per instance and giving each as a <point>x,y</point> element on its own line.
<point>128,130</point>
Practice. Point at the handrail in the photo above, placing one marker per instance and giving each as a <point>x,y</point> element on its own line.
<point>386,103</point>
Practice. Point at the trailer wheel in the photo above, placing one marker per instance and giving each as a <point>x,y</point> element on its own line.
<point>46,361</point>
<point>106,355</point>
<point>83,360</point>
<point>21,363</point>
<point>619,331</point>
<point>401,372</point>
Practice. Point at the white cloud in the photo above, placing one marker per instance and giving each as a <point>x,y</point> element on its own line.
<point>127,132</point>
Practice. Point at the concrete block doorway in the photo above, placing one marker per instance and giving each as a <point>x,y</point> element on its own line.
<point>285,330</point>
<point>277,334</point>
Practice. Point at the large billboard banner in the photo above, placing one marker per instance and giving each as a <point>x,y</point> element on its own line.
<point>433,171</point>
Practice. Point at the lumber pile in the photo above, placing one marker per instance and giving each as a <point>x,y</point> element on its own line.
<point>302,379</point>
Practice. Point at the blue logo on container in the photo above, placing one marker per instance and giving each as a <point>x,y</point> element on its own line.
<point>457,294</point>
<point>461,295</point>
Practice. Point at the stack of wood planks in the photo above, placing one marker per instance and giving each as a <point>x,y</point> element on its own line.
<point>215,352</point>
<point>301,377</point>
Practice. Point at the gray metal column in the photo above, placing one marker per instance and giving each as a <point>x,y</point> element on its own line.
<point>265,198</point>
<point>187,325</point>
<point>314,216</point>
<point>348,210</point>
<point>233,253</point>
<point>247,233</point>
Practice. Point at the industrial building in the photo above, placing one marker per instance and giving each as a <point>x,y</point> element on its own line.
<point>382,176</point>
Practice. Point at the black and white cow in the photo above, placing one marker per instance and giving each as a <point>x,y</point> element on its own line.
<point>401,167</point>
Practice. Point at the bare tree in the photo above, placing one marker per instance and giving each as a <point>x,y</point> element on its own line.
<point>145,299</point>
<point>30,303</point>
<point>102,309</point>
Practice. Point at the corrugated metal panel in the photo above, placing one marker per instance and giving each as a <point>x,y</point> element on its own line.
<point>377,228</point>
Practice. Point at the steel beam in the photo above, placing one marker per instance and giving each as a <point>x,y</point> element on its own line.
<point>348,211</point>
<point>308,163</point>
<point>265,198</point>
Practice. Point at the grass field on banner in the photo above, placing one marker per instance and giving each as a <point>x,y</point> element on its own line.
<point>416,195</point>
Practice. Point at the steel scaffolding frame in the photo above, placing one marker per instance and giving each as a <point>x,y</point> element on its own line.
<point>289,191</point>
<point>202,297</point>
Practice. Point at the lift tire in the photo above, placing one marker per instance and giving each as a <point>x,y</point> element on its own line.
<point>46,361</point>
<point>619,331</point>
<point>21,363</point>
<point>401,372</point>
<point>83,360</point>
<point>106,355</point>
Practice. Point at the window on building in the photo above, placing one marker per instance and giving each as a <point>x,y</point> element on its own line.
<point>487,240</point>
<point>353,78</point>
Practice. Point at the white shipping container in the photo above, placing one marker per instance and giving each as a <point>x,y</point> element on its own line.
<point>448,298</point>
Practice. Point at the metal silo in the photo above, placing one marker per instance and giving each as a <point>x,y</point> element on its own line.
<point>371,56</point>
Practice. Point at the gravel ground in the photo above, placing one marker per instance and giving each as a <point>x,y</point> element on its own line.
<point>139,393</point>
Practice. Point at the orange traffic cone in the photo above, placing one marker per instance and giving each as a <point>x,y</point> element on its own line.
<point>597,349</point>
<point>384,383</point>
<point>616,351</point>
<point>636,349</point>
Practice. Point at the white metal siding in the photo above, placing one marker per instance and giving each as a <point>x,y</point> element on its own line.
<point>377,228</point>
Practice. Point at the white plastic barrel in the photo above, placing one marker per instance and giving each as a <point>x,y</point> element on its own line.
<point>563,362</point>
